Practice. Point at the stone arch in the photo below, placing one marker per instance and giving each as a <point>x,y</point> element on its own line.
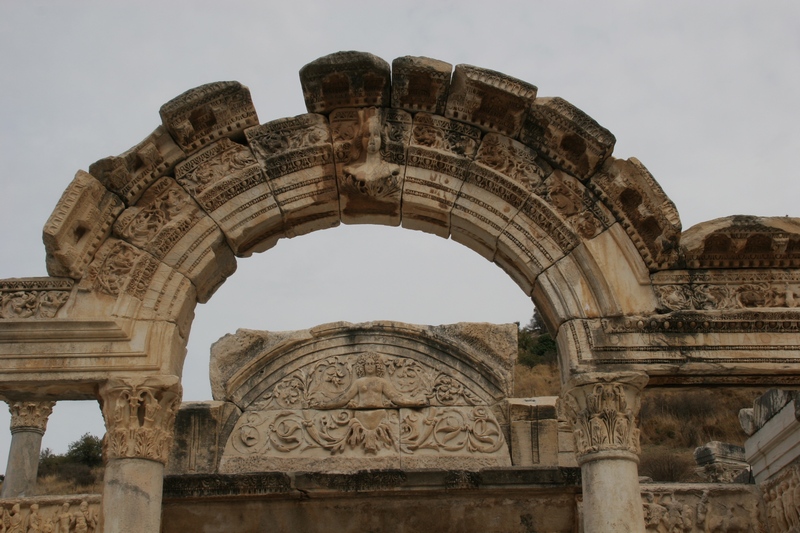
<point>465,153</point>
<point>529,183</point>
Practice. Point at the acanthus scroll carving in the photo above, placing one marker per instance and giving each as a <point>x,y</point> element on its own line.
<point>30,416</point>
<point>139,417</point>
<point>603,413</point>
<point>708,296</point>
<point>368,381</point>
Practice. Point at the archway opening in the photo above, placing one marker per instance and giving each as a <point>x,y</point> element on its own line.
<point>353,273</point>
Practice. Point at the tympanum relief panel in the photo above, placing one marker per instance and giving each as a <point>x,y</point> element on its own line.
<point>366,410</point>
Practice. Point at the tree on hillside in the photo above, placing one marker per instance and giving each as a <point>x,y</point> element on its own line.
<point>535,345</point>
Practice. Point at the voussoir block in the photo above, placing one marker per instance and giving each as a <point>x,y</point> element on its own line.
<point>346,79</point>
<point>207,113</point>
<point>78,225</point>
<point>488,99</point>
<point>129,174</point>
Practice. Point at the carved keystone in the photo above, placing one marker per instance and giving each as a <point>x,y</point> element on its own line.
<point>78,225</point>
<point>566,136</point>
<point>129,174</point>
<point>345,79</point>
<point>420,84</point>
<point>140,416</point>
<point>489,99</point>
<point>369,147</point>
<point>209,112</point>
<point>602,409</point>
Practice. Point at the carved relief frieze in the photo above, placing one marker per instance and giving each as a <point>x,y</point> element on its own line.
<point>439,155</point>
<point>30,416</point>
<point>577,205</point>
<point>139,416</point>
<point>48,514</point>
<point>700,511</point>
<point>569,138</point>
<point>114,268</point>
<point>782,496</point>
<point>130,174</point>
<point>366,381</point>
<point>297,158</point>
<point>489,99</point>
<point>502,178</point>
<point>365,406</point>
<point>167,223</point>
<point>603,410</point>
<point>442,134</point>
<point>33,297</point>
<point>513,160</point>
<point>228,183</point>
<point>207,113</point>
<point>369,146</point>
<point>727,290</point>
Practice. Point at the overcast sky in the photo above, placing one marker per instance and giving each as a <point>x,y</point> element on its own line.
<point>705,94</point>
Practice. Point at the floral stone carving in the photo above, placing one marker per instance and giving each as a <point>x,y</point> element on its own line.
<point>602,409</point>
<point>139,417</point>
<point>30,416</point>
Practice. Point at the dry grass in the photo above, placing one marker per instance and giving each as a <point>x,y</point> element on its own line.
<point>56,484</point>
<point>679,418</point>
<point>675,421</point>
<point>539,380</point>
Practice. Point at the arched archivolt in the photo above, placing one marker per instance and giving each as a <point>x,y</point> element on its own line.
<point>470,154</point>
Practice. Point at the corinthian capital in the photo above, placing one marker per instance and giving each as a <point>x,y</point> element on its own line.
<point>30,416</point>
<point>602,409</point>
<point>140,416</point>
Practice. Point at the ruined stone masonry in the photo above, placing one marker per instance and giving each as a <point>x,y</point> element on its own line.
<point>527,181</point>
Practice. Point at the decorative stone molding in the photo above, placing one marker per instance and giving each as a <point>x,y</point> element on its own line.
<point>139,416</point>
<point>33,297</point>
<point>743,241</point>
<point>602,409</point>
<point>30,416</point>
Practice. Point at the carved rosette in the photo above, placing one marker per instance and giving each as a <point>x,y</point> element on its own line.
<point>602,409</point>
<point>140,416</point>
<point>30,416</point>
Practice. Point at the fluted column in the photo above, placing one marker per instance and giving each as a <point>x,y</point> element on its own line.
<point>602,409</point>
<point>140,417</point>
<point>28,423</point>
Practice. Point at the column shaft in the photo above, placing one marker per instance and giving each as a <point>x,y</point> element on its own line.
<point>28,423</point>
